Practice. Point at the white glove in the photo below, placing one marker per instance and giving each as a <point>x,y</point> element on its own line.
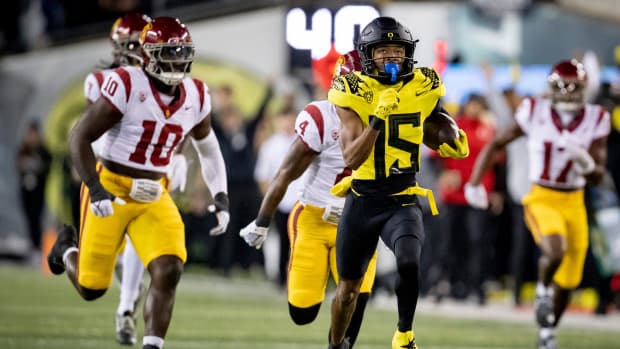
<point>476,196</point>
<point>584,163</point>
<point>101,200</point>
<point>254,235</point>
<point>177,172</point>
<point>223,218</point>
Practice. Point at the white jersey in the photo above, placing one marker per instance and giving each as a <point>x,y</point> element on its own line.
<point>318,126</point>
<point>550,164</point>
<point>149,131</point>
<point>92,92</point>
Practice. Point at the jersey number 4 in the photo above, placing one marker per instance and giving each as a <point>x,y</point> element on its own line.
<point>158,156</point>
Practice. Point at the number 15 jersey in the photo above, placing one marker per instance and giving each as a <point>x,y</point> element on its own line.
<point>150,129</point>
<point>397,148</point>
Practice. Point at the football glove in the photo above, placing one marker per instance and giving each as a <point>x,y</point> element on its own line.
<point>461,151</point>
<point>476,196</point>
<point>254,235</point>
<point>220,208</point>
<point>177,172</point>
<point>584,163</point>
<point>101,200</point>
<point>387,104</point>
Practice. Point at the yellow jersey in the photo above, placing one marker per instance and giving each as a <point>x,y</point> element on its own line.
<point>397,149</point>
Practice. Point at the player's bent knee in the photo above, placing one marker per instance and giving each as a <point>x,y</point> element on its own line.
<point>166,269</point>
<point>303,316</point>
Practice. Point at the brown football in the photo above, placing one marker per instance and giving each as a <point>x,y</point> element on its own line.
<point>438,129</point>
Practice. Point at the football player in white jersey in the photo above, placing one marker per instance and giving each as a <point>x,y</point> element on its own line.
<point>313,220</point>
<point>124,36</point>
<point>144,113</point>
<point>566,141</point>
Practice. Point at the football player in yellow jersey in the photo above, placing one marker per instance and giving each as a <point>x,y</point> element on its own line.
<point>382,110</point>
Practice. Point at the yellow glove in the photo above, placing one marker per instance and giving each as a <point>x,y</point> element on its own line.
<point>342,188</point>
<point>387,104</point>
<point>461,151</point>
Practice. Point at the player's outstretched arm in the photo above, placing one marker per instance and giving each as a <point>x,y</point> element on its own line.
<point>598,151</point>
<point>213,170</point>
<point>475,194</point>
<point>99,117</point>
<point>293,166</point>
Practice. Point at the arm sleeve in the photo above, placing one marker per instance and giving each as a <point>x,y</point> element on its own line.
<point>212,166</point>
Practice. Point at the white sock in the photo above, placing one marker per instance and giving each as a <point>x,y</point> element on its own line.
<point>542,290</point>
<point>133,270</point>
<point>67,253</point>
<point>546,332</point>
<point>153,340</point>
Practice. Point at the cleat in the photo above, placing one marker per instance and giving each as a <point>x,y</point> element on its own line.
<point>67,237</point>
<point>125,329</point>
<point>403,340</point>
<point>149,346</point>
<point>544,311</point>
<point>547,342</point>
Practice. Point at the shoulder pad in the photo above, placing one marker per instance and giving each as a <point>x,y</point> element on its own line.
<point>432,80</point>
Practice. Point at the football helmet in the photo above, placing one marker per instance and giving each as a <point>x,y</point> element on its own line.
<point>567,82</point>
<point>125,35</point>
<point>347,63</point>
<point>167,50</point>
<point>385,31</point>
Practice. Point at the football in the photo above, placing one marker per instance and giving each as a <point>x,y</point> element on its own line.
<point>438,129</point>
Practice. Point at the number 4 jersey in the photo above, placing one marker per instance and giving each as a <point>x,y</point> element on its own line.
<point>150,129</point>
<point>318,126</point>
<point>550,164</point>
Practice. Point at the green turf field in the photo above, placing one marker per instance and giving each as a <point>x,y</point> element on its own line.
<point>45,312</point>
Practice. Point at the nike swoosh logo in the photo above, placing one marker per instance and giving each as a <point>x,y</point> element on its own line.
<point>418,94</point>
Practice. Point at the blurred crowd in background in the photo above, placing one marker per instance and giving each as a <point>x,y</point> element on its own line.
<point>493,255</point>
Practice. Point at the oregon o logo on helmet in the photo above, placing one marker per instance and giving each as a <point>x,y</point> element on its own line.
<point>390,35</point>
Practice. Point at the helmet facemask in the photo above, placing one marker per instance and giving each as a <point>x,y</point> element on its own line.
<point>386,31</point>
<point>169,63</point>
<point>567,94</point>
<point>389,69</point>
<point>127,52</point>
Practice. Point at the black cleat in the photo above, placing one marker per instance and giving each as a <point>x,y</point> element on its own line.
<point>544,311</point>
<point>67,237</point>
<point>149,346</point>
<point>547,342</point>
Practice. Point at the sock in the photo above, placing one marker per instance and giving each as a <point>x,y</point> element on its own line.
<point>133,270</point>
<point>153,340</point>
<point>546,332</point>
<point>67,253</point>
<point>542,290</point>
